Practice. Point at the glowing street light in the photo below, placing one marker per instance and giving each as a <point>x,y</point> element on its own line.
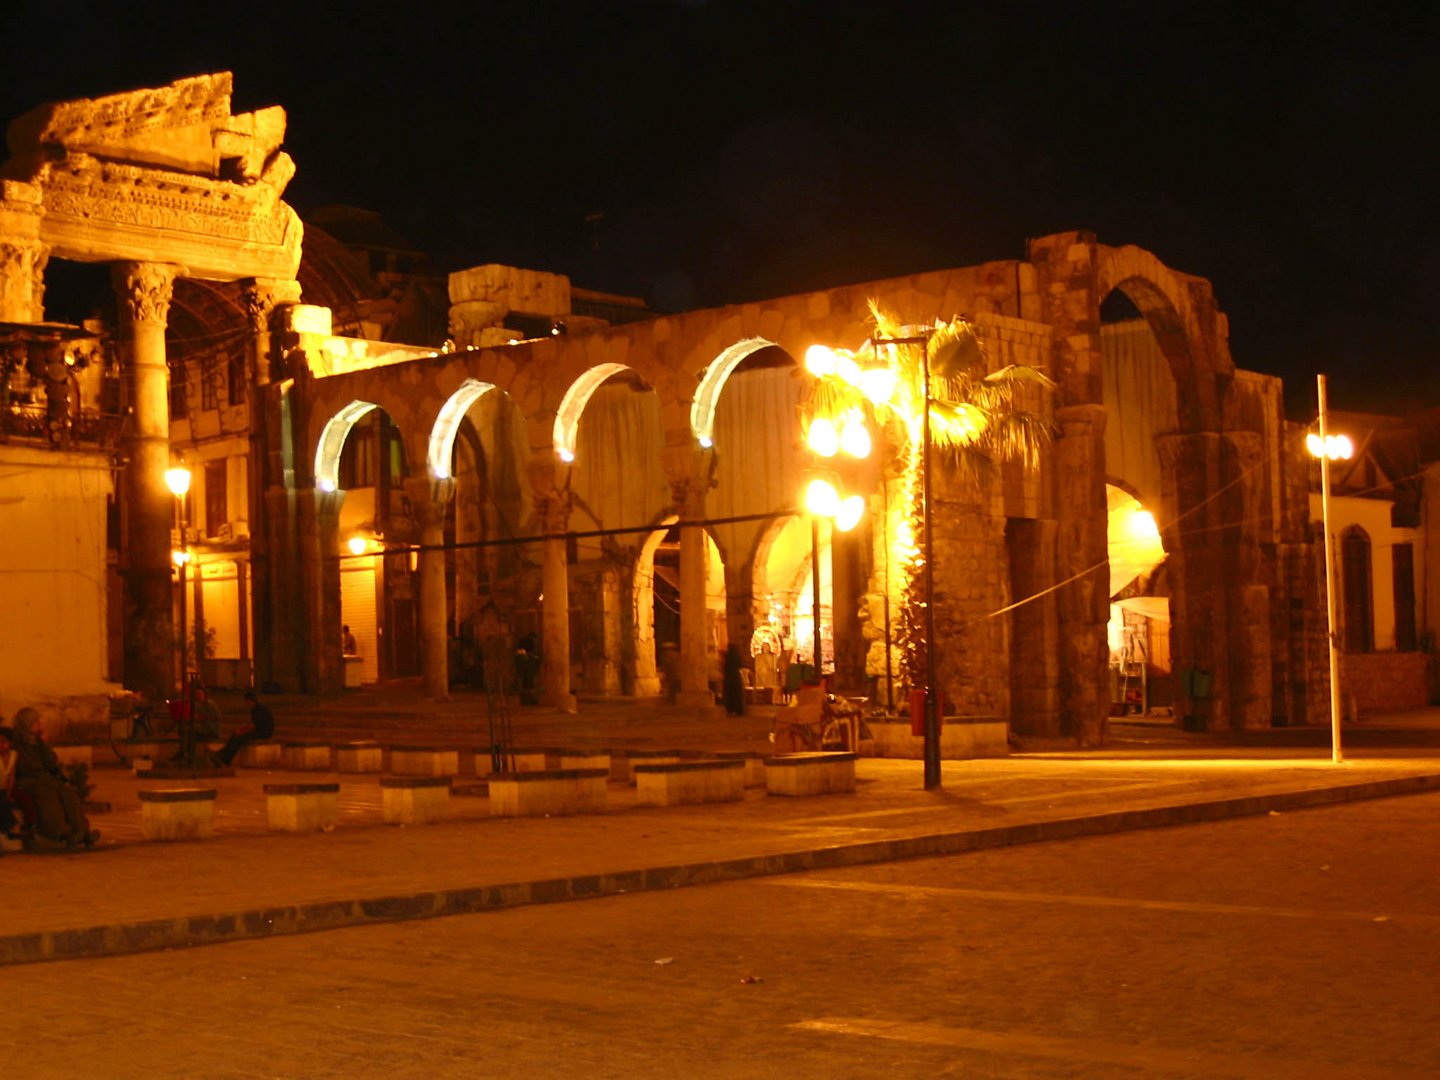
<point>1329,448</point>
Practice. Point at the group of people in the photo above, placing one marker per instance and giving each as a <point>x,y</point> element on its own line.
<point>38,804</point>
<point>42,809</point>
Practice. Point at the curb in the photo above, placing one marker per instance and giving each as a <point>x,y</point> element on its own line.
<point>187,931</point>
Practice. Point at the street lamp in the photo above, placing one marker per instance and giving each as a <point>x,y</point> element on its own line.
<point>178,481</point>
<point>823,500</point>
<point>932,717</point>
<point>1329,448</point>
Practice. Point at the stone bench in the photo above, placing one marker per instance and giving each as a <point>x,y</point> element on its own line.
<point>177,813</point>
<point>414,800</point>
<point>423,761</point>
<point>685,782</point>
<point>307,756</point>
<point>754,764</point>
<point>302,807</point>
<point>263,754</point>
<point>554,791</point>
<point>358,757</point>
<point>582,759</point>
<point>528,758</point>
<point>74,753</point>
<point>622,765</point>
<point>820,773</point>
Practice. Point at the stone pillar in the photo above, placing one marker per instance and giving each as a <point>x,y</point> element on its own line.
<point>429,499</point>
<point>22,255</point>
<point>1082,542</point>
<point>1035,634</point>
<point>695,690</point>
<point>269,506</point>
<point>553,509</point>
<point>846,582</point>
<point>610,609</point>
<point>22,280</point>
<point>321,667</point>
<point>144,291</point>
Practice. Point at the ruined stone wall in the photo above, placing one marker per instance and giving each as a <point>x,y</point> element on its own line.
<point>1383,681</point>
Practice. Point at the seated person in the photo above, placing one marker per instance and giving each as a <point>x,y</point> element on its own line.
<point>206,715</point>
<point>60,813</point>
<point>261,726</point>
<point>9,823</point>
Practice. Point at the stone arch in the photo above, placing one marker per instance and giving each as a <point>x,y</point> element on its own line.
<point>447,425</point>
<point>1187,326</point>
<point>331,443</point>
<point>707,394</point>
<point>642,674</point>
<point>572,407</point>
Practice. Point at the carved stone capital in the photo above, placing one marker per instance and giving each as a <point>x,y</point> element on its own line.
<point>144,290</point>
<point>553,509</point>
<point>263,295</point>
<point>22,280</point>
<point>688,493</point>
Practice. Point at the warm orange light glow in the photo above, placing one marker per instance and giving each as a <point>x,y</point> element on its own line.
<point>357,545</point>
<point>820,361</point>
<point>1335,447</point>
<point>822,437</point>
<point>180,558</point>
<point>850,513</point>
<point>878,384</point>
<point>855,437</point>
<point>178,481</point>
<point>822,498</point>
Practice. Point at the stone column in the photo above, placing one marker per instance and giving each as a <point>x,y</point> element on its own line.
<point>695,690</point>
<point>22,255</point>
<point>144,291</point>
<point>1082,543</point>
<point>321,667</point>
<point>268,504</point>
<point>429,499</point>
<point>22,280</point>
<point>554,513</point>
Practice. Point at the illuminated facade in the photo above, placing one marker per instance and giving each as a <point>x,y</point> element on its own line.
<point>602,488</point>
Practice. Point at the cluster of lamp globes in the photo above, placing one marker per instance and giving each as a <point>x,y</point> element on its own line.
<point>847,434</point>
<point>178,481</point>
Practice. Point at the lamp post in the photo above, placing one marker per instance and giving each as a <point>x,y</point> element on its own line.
<point>932,715</point>
<point>178,481</point>
<point>823,500</point>
<point>1327,448</point>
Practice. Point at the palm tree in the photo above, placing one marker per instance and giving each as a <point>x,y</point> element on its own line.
<point>978,419</point>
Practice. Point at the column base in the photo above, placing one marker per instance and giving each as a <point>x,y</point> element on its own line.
<point>566,703</point>
<point>700,702</point>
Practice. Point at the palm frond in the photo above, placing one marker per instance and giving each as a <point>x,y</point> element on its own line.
<point>955,349</point>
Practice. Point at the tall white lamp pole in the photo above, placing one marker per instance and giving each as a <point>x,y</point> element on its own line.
<point>1324,455</point>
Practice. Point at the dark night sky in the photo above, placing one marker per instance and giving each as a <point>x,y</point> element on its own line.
<point>699,152</point>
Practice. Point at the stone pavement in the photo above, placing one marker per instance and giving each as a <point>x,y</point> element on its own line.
<point>133,895</point>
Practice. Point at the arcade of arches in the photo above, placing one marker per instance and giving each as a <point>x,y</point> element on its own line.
<point>621,501</point>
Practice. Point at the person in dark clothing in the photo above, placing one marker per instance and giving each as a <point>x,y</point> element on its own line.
<point>39,780</point>
<point>261,726</point>
<point>733,684</point>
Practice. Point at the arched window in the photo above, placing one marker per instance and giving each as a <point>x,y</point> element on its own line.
<point>1355,578</point>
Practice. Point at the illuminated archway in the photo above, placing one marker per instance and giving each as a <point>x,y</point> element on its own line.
<point>447,424</point>
<point>332,443</point>
<point>572,407</point>
<point>707,395</point>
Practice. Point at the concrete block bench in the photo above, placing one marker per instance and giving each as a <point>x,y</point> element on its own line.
<point>754,764</point>
<point>358,757</point>
<point>414,800</point>
<point>554,791</point>
<point>582,759</point>
<point>264,754</point>
<point>177,813</point>
<point>527,758</point>
<point>307,756</point>
<point>72,753</point>
<point>821,773</point>
<point>423,761</point>
<point>622,765</point>
<point>684,782</point>
<point>302,807</point>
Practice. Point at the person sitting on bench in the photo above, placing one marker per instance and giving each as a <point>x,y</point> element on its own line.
<point>261,726</point>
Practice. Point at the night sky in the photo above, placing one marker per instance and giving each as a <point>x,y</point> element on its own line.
<point>699,152</point>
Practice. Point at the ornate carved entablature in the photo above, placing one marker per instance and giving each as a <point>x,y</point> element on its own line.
<point>161,175</point>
